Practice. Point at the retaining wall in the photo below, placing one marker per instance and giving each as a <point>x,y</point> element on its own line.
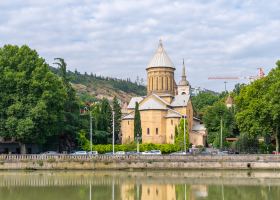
<point>103,162</point>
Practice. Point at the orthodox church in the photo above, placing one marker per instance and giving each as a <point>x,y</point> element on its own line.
<point>164,105</point>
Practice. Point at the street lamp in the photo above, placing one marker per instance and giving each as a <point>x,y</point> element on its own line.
<point>185,145</point>
<point>113,133</point>
<point>87,108</point>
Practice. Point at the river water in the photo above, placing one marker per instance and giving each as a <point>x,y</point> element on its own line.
<point>139,185</point>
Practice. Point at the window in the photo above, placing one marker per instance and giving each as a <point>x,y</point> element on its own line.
<point>157,131</point>
<point>148,131</point>
<point>171,121</point>
<point>128,122</point>
<point>171,136</point>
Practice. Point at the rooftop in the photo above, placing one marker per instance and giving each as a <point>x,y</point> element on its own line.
<point>160,58</point>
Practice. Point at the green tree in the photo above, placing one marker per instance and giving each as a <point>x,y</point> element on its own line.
<point>137,122</point>
<point>117,119</point>
<point>212,119</point>
<point>70,123</point>
<point>179,134</point>
<point>32,98</point>
<point>105,119</point>
<point>258,107</point>
<point>202,101</point>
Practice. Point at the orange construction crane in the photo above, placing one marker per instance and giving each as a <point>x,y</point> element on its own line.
<point>261,74</point>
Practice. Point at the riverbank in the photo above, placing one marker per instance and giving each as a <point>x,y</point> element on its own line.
<point>133,162</point>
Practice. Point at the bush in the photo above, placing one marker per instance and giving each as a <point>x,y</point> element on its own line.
<point>104,148</point>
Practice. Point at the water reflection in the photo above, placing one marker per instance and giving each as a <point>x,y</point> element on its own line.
<point>124,185</point>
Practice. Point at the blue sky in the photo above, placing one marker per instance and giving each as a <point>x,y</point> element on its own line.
<point>118,38</point>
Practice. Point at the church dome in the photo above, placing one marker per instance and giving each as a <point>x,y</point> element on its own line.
<point>160,59</point>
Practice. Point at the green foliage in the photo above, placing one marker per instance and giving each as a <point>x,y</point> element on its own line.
<point>137,122</point>
<point>247,144</point>
<point>32,98</point>
<point>117,118</point>
<point>165,148</point>
<point>258,107</point>
<point>70,122</point>
<point>179,136</point>
<point>202,101</point>
<point>99,81</point>
<point>212,120</point>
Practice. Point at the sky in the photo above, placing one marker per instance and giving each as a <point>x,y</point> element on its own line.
<point>117,38</point>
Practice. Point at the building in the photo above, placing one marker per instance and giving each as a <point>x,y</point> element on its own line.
<point>163,107</point>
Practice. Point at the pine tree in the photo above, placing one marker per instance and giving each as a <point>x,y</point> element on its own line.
<point>137,122</point>
<point>117,118</point>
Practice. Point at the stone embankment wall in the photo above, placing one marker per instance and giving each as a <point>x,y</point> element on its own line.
<point>102,162</point>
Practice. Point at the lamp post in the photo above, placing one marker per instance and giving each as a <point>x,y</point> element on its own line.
<point>90,116</point>
<point>221,135</point>
<point>87,108</point>
<point>113,142</point>
<point>185,145</point>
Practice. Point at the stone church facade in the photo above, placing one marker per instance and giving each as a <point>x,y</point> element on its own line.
<point>163,107</point>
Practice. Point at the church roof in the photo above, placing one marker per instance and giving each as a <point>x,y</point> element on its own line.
<point>173,114</point>
<point>160,58</point>
<point>129,116</point>
<point>198,127</point>
<point>133,101</point>
<point>153,102</point>
<point>180,100</point>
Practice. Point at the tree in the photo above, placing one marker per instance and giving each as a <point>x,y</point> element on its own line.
<point>202,101</point>
<point>179,134</point>
<point>212,119</point>
<point>70,123</point>
<point>117,118</point>
<point>32,98</point>
<point>258,107</point>
<point>105,119</point>
<point>137,122</point>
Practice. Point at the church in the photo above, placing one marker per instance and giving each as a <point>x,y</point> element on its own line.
<point>164,105</point>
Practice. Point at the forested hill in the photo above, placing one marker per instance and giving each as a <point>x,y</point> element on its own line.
<point>91,87</point>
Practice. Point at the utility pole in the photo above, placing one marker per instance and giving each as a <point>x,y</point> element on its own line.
<point>225,86</point>
<point>221,142</point>
<point>90,116</point>
<point>185,146</point>
<point>113,132</point>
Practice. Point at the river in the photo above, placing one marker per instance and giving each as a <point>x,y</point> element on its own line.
<point>139,185</point>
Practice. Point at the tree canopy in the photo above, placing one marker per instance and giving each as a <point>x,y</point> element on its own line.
<point>32,98</point>
<point>258,107</point>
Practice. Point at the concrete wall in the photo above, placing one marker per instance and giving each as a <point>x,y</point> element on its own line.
<point>102,162</point>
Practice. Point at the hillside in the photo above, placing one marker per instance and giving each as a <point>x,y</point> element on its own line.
<point>90,87</point>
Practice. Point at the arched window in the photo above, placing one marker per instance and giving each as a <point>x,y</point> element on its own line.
<point>171,136</point>
<point>148,131</point>
<point>157,84</point>
<point>157,131</point>
<point>171,121</point>
<point>128,122</point>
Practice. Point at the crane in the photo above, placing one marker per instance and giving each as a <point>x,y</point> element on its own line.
<point>261,74</point>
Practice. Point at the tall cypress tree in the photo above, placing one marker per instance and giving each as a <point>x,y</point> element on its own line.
<point>137,122</point>
<point>117,118</point>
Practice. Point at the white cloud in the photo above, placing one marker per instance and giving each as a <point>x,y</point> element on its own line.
<point>118,37</point>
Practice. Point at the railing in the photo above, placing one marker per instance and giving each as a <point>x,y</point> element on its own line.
<point>131,158</point>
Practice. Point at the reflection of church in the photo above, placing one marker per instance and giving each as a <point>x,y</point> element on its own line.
<point>163,192</point>
<point>163,107</point>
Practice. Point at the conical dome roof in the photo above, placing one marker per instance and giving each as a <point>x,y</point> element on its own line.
<point>160,59</point>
